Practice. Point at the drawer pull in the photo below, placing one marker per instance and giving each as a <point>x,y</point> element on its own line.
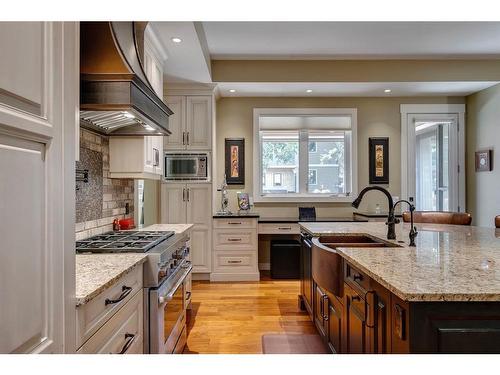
<point>357,277</point>
<point>356,298</point>
<point>125,292</point>
<point>234,222</point>
<point>285,228</point>
<point>234,261</point>
<point>129,337</point>
<point>234,239</point>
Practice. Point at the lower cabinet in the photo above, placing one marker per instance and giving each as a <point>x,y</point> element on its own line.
<point>328,319</point>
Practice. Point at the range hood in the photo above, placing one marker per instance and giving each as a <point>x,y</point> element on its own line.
<point>116,98</point>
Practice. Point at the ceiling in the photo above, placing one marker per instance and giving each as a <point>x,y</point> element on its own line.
<point>370,89</point>
<point>358,40</point>
<point>189,61</point>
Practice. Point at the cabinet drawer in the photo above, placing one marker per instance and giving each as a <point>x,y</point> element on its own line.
<point>235,239</point>
<point>235,223</point>
<point>357,279</point>
<point>91,316</point>
<point>279,228</point>
<point>122,334</point>
<point>235,262</point>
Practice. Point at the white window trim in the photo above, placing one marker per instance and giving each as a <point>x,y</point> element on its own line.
<point>298,198</point>
<point>408,110</point>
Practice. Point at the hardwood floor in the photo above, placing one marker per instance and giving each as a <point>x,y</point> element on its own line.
<point>232,317</point>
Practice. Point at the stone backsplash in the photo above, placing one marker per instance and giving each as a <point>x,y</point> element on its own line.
<point>102,199</point>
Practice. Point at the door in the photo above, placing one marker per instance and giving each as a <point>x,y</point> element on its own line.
<point>355,322</point>
<point>434,156</point>
<point>38,106</point>
<point>173,203</point>
<point>199,213</point>
<point>199,122</point>
<point>321,311</point>
<point>176,123</point>
<point>335,310</point>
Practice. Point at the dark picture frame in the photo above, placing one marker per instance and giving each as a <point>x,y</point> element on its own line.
<point>235,161</point>
<point>378,151</point>
<point>483,161</point>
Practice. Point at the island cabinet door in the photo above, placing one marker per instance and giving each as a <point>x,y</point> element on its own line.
<point>356,330</point>
<point>321,312</point>
<point>334,325</point>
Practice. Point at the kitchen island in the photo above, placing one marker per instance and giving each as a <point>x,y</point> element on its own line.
<point>387,297</point>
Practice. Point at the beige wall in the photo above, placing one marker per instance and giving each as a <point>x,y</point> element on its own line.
<point>483,132</point>
<point>376,117</point>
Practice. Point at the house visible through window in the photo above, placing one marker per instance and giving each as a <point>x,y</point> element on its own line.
<point>304,154</point>
<point>277,179</point>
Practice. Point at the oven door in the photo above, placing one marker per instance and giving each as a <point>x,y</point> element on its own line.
<point>168,313</point>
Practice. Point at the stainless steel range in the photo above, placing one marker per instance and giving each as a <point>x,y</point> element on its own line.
<point>166,281</point>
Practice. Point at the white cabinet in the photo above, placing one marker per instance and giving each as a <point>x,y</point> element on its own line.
<point>235,255</point>
<point>191,123</point>
<point>136,157</point>
<point>191,203</point>
<point>153,69</point>
<point>113,328</point>
<point>39,78</point>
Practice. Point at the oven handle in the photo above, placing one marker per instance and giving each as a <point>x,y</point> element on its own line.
<point>168,297</point>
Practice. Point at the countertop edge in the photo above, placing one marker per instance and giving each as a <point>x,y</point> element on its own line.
<point>80,301</point>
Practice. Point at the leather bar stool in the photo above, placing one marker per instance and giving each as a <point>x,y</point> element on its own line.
<point>497,221</point>
<point>439,217</point>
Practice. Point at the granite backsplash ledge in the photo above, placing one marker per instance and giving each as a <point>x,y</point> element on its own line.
<point>102,199</point>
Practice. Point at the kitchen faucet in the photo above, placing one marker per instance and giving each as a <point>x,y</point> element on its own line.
<point>413,230</point>
<point>391,219</point>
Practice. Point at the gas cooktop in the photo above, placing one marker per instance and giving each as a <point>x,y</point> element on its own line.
<point>122,242</point>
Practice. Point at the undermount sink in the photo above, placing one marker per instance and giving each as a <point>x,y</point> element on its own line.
<point>354,240</point>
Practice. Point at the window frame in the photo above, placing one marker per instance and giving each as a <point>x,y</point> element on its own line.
<point>259,197</point>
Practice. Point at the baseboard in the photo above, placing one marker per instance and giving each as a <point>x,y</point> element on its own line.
<point>200,276</point>
<point>265,266</point>
<point>234,276</point>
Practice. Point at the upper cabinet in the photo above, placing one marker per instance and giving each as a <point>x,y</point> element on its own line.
<point>191,123</point>
<point>153,69</point>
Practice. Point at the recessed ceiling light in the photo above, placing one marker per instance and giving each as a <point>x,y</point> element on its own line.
<point>232,90</point>
<point>309,90</point>
<point>176,40</point>
<point>387,91</point>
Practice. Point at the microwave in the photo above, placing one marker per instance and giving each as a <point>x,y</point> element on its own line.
<point>187,166</point>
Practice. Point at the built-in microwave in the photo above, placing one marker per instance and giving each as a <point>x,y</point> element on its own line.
<point>187,166</point>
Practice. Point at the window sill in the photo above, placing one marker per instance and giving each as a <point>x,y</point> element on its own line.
<point>303,199</point>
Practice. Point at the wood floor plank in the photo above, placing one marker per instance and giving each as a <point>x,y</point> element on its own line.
<point>232,317</point>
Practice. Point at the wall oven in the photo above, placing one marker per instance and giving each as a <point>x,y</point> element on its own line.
<point>187,166</point>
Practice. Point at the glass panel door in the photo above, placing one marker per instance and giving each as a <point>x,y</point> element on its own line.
<point>433,173</point>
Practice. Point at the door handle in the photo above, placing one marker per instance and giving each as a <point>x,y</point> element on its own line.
<point>188,194</point>
<point>157,157</point>
<point>325,316</point>
<point>183,194</point>
<point>187,138</point>
<point>183,138</point>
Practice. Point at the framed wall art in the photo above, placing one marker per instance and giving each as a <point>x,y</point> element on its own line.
<point>378,150</point>
<point>483,161</point>
<point>235,161</point>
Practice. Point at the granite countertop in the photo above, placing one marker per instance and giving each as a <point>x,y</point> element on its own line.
<point>97,272</point>
<point>177,228</point>
<point>449,263</point>
<point>375,214</point>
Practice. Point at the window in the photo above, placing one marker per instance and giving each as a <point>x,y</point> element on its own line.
<point>277,179</point>
<point>313,177</point>
<point>304,154</point>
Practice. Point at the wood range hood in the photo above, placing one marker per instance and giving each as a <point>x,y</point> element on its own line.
<point>116,97</point>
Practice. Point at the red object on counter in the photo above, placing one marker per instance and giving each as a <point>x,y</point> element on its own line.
<point>126,224</point>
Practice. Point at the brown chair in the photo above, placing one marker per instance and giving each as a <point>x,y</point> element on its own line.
<point>497,221</point>
<point>439,217</point>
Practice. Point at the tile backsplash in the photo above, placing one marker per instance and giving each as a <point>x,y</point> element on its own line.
<point>102,199</point>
